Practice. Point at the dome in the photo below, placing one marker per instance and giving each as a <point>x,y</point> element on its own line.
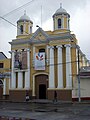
<point>61,11</point>
<point>24,18</point>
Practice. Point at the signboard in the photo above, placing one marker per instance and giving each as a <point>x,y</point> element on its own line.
<point>39,61</point>
<point>20,60</point>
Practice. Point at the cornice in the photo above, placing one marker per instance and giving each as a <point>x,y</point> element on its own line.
<point>49,38</point>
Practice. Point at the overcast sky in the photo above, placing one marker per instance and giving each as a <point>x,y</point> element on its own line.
<point>79,11</point>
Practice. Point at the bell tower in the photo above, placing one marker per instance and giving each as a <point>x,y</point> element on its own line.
<point>24,25</point>
<point>61,19</point>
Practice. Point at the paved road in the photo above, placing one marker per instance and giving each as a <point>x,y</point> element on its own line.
<point>46,111</point>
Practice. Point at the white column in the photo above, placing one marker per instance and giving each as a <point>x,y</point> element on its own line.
<point>29,28</point>
<point>62,22</point>
<point>13,81</point>
<point>83,60</point>
<point>77,58</point>
<point>27,73</point>
<point>4,86</point>
<point>24,28</point>
<point>60,67</point>
<point>27,82</point>
<point>67,22</point>
<point>68,26</point>
<point>51,68</point>
<point>9,83</point>
<point>18,29</point>
<point>20,80</point>
<point>47,54</point>
<point>68,67</point>
<point>87,62</point>
<point>13,75</point>
<point>33,56</point>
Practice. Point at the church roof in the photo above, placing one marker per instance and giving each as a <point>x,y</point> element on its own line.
<point>61,11</point>
<point>24,18</point>
<point>2,56</point>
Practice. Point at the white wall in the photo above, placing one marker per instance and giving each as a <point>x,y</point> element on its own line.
<point>85,87</point>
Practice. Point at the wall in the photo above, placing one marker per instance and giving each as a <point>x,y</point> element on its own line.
<point>85,87</point>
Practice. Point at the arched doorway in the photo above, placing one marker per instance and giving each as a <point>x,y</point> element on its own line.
<point>42,91</point>
<point>1,89</point>
<point>41,85</point>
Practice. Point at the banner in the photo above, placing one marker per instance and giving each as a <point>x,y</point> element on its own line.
<point>20,60</point>
<point>39,61</point>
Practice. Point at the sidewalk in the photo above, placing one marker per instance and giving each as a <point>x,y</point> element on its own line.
<point>46,101</point>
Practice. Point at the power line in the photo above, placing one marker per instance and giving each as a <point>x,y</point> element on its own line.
<point>16,26</point>
<point>12,24</point>
<point>26,4</point>
<point>2,17</point>
<point>58,64</point>
<point>8,21</point>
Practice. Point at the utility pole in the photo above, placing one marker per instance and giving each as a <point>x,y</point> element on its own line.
<point>79,92</point>
<point>79,98</point>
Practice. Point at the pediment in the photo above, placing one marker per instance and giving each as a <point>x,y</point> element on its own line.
<point>39,35</point>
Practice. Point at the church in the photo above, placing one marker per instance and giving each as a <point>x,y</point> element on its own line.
<point>45,62</point>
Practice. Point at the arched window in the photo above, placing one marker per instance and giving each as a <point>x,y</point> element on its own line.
<point>42,50</point>
<point>30,29</point>
<point>21,29</point>
<point>59,23</point>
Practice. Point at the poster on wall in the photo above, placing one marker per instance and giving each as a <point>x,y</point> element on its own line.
<point>20,60</point>
<point>40,61</point>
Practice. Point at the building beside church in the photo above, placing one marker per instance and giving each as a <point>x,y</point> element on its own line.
<point>45,62</point>
<point>85,82</point>
<point>4,76</point>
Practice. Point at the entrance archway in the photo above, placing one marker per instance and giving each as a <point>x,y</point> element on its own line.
<point>41,85</point>
<point>1,89</point>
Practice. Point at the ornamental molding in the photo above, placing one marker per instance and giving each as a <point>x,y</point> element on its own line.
<point>67,45</point>
<point>49,39</point>
<point>59,46</point>
<point>51,47</point>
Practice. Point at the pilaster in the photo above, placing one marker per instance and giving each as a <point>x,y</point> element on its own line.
<point>27,73</point>
<point>13,74</point>
<point>51,68</point>
<point>60,67</point>
<point>20,80</point>
<point>68,67</point>
<point>4,86</point>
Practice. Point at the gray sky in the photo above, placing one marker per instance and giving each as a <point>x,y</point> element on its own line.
<point>79,11</point>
